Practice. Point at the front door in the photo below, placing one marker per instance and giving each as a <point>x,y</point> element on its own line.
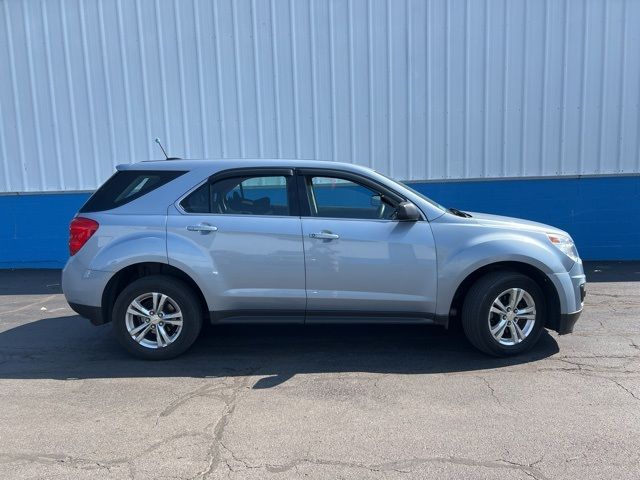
<point>360,262</point>
<point>241,235</point>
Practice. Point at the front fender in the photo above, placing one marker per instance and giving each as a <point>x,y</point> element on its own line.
<point>455,264</point>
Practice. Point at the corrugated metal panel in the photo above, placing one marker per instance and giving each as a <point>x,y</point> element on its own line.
<point>417,89</point>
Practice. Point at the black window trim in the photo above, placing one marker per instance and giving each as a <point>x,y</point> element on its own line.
<point>292,190</point>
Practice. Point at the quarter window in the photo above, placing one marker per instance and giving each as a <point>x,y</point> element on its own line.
<point>340,198</point>
<point>253,195</point>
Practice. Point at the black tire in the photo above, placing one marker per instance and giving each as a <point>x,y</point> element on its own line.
<point>477,305</point>
<point>181,294</point>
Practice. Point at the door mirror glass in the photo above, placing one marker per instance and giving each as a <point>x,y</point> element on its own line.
<point>408,212</point>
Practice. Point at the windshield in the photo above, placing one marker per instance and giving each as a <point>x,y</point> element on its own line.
<point>414,191</point>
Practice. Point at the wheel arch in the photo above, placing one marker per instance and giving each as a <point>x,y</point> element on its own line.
<point>135,271</point>
<point>542,279</point>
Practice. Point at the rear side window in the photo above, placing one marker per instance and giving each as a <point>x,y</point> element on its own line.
<point>244,195</point>
<point>125,186</point>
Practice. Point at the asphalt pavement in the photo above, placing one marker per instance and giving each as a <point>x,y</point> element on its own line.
<point>316,402</point>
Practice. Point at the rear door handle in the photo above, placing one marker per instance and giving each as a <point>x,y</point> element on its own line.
<point>202,227</point>
<point>325,235</point>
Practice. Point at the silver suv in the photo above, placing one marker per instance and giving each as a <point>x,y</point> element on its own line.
<point>162,246</point>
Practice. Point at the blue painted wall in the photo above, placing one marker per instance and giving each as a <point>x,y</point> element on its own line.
<point>602,214</point>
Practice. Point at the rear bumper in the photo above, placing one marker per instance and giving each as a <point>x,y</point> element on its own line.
<point>94,314</point>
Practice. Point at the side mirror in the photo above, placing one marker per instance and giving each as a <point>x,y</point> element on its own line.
<point>407,212</point>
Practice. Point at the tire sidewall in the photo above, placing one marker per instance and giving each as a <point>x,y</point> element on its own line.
<point>181,294</point>
<point>511,281</point>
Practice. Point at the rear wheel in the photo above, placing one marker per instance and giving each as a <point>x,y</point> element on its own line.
<point>503,313</point>
<point>157,317</point>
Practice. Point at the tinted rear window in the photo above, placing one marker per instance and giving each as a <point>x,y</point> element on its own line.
<point>125,186</point>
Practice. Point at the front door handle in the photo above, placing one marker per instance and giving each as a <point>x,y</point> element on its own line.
<point>202,227</point>
<point>325,235</point>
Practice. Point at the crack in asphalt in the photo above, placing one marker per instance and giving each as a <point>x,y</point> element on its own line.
<point>624,388</point>
<point>491,389</point>
<point>409,465</point>
<point>231,402</point>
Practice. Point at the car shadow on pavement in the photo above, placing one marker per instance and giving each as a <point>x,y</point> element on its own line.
<point>70,348</point>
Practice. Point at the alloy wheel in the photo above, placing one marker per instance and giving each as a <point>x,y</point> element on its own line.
<point>512,316</point>
<point>154,320</point>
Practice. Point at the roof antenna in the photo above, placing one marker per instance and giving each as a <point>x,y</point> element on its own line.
<point>167,157</point>
<point>157,140</point>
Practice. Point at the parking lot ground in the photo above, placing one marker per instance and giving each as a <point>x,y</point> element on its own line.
<point>251,402</point>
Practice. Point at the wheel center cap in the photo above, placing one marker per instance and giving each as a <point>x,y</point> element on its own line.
<point>511,316</point>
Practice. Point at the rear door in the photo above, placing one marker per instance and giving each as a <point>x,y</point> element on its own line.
<point>360,262</point>
<point>240,232</point>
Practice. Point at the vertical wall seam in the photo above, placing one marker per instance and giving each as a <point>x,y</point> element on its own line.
<point>52,96</point>
<point>332,72</point>
<point>125,76</point>
<point>163,81</point>
<point>523,100</point>
<point>312,35</point>
<point>603,82</point>
<point>370,85</point>
<point>427,96</point>
<point>389,91</point>
<point>143,69</point>
<point>352,108</point>
<point>409,90</point>
<point>72,103</point>
<point>583,85</point>
<point>107,82</point>
<point>294,74</point>
<point>621,88</point>
<point>465,90</point>
<point>563,85</point>
<point>34,96</point>
<point>14,91</point>
<point>505,35</point>
<point>447,100</point>
<point>3,151</point>
<point>276,76</point>
<point>90,100</point>
<point>216,35</point>
<point>543,113</point>
<point>204,122</point>
<point>239,99</point>
<point>485,92</point>
<point>177,19</point>
<point>258,80</point>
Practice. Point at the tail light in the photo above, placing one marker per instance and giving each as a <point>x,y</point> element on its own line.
<point>80,230</point>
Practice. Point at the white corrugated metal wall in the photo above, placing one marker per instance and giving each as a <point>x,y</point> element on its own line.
<point>417,89</point>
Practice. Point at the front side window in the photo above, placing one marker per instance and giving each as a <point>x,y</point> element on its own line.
<point>244,195</point>
<point>332,197</point>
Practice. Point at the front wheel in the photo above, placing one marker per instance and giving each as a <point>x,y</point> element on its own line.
<point>503,313</point>
<point>157,317</point>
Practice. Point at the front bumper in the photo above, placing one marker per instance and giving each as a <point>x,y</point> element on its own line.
<point>567,321</point>
<point>572,291</point>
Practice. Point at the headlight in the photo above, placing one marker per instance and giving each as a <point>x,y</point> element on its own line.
<point>565,245</point>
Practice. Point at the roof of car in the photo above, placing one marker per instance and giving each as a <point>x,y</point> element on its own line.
<point>226,163</point>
